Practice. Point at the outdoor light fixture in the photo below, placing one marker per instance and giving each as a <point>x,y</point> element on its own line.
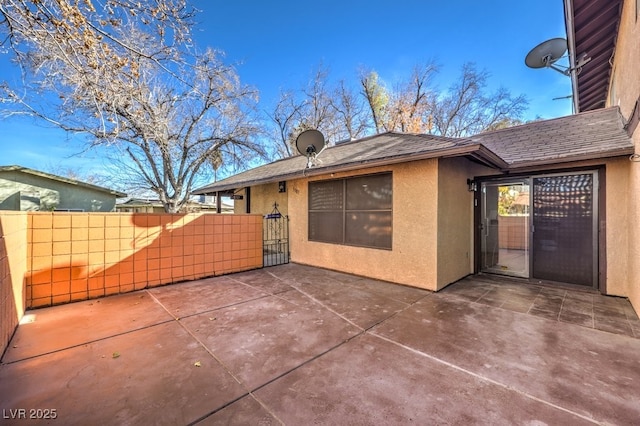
<point>471,184</point>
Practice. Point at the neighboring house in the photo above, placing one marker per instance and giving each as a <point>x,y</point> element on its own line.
<point>140,205</point>
<point>24,189</point>
<point>426,211</point>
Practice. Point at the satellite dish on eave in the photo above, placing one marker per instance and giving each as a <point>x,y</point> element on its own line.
<point>310,142</point>
<point>546,53</point>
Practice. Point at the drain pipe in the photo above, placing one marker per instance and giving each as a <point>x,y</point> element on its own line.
<point>571,45</point>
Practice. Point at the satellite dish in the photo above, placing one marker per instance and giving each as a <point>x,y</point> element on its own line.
<point>546,54</point>
<point>310,143</point>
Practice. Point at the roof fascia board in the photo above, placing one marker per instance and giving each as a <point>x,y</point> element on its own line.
<point>578,158</point>
<point>571,45</point>
<point>477,151</point>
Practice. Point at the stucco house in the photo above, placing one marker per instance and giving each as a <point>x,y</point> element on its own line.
<point>554,201</point>
<point>24,189</point>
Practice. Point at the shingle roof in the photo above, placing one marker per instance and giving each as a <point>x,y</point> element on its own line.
<point>385,148</point>
<point>594,134</point>
<point>589,135</point>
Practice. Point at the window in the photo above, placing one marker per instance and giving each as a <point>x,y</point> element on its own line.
<point>353,211</point>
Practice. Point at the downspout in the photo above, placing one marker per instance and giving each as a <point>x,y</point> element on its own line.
<point>571,45</point>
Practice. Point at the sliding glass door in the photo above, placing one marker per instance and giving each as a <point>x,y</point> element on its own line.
<point>565,228</point>
<point>542,227</point>
<point>505,227</point>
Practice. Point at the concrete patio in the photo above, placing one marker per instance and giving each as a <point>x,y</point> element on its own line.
<point>295,345</point>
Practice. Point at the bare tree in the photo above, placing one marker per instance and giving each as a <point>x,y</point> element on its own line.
<point>319,112</point>
<point>350,110</point>
<point>125,73</point>
<point>467,109</point>
<point>285,117</point>
<point>411,102</point>
<point>315,106</point>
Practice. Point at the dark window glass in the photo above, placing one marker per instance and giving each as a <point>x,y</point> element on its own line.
<point>326,195</point>
<point>326,226</point>
<point>355,211</point>
<point>369,229</point>
<point>369,193</point>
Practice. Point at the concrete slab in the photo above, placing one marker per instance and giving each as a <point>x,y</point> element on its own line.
<point>372,381</point>
<point>262,339</point>
<point>262,280</point>
<point>51,329</point>
<point>152,380</point>
<point>364,308</point>
<point>589,372</point>
<point>400,293</point>
<point>203,295</point>
<point>247,411</point>
<point>290,344</point>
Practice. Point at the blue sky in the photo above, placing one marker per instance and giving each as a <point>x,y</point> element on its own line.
<point>280,43</point>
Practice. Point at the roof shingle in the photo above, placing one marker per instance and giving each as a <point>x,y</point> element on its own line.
<point>594,134</point>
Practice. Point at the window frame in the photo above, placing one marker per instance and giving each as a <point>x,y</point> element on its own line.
<point>344,211</point>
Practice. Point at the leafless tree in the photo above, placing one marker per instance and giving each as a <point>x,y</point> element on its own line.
<point>286,117</point>
<point>466,109</point>
<point>350,110</point>
<point>126,74</point>
<point>315,106</point>
<point>412,100</point>
<point>416,106</point>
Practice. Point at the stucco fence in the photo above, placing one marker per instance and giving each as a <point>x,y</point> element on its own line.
<point>53,258</point>
<point>513,232</point>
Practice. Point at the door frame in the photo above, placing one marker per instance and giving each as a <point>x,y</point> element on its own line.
<point>600,263</point>
<point>484,224</point>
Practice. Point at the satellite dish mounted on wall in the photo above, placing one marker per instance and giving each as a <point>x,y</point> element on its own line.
<point>310,143</point>
<point>546,54</point>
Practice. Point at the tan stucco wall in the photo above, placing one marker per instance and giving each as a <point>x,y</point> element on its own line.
<point>13,269</point>
<point>617,194</point>
<point>412,260</point>
<point>433,239</point>
<point>262,199</point>
<point>264,196</point>
<point>625,92</point>
<point>633,231</point>
<point>240,206</point>
<point>625,82</point>
<point>455,220</point>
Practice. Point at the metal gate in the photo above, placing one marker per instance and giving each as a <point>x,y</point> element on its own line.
<point>275,236</point>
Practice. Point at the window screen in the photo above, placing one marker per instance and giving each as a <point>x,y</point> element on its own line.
<point>354,211</point>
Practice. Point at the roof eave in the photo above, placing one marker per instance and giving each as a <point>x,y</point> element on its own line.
<point>623,152</point>
<point>476,151</point>
<point>571,45</point>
